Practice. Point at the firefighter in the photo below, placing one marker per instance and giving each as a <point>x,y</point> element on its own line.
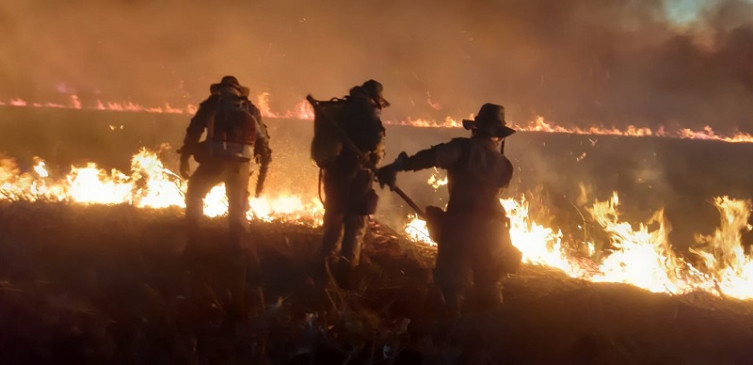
<point>235,134</point>
<point>347,181</point>
<point>473,234</point>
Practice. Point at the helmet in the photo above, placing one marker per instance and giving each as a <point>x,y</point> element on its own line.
<point>374,90</point>
<point>490,120</point>
<point>230,81</point>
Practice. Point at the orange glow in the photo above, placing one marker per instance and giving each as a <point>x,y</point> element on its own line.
<point>640,254</point>
<point>149,185</point>
<point>303,111</point>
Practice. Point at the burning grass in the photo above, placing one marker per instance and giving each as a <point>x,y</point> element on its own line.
<point>110,283</point>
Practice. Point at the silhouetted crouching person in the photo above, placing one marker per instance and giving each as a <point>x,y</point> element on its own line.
<point>473,235</point>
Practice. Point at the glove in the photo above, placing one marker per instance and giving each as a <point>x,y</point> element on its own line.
<point>260,181</point>
<point>185,168</point>
<point>387,175</point>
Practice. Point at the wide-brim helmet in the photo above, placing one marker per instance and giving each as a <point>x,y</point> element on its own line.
<point>375,89</point>
<point>229,81</point>
<point>490,120</point>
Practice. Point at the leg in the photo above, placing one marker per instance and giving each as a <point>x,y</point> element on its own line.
<point>451,271</point>
<point>205,177</point>
<point>350,254</point>
<point>355,230</point>
<point>357,208</point>
<point>486,259</point>
<point>236,176</point>
<point>333,231</point>
<point>334,196</point>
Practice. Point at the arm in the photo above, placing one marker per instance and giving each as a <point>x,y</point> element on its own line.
<point>262,151</point>
<point>196,128</point>
<point>193,134</point>
<point>444,155</point>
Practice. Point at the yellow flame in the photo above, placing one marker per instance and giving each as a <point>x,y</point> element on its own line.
<point>150,185</point>
<point>436,181</point>
<point>640,255</point>
<point>418,232</point>
<point>40,169</point>
<point>729,267</point>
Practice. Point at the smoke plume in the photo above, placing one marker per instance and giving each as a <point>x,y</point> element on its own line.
<point>573,62</point>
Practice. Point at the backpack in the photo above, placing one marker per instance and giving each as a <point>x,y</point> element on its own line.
<point>232,130</point>
<point>327,143</point>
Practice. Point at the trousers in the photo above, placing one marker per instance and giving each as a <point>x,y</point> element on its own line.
<point>471,253</point>
<point>235,175</point>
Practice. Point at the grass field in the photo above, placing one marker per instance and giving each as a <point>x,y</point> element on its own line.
<point>111,284</point>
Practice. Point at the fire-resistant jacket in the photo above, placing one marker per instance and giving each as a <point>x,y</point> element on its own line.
<point>476,172</point>
<point>203,117</point>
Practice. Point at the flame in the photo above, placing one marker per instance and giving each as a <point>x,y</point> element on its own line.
<point>40,169</point>
<point>540,125</point>
<point>640,255</point>
<point>435,181</point>
<point>418,232</point>
<point>425,123</point>
<point>730,268</point>
<point>303,111</point>
<point>149,185</point>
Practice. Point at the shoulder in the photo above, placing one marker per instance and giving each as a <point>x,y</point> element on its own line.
<point>457,144</point>
<point>210,102</point>
<point>459,141</point>
<point>252,108</point>
<point>449,153</point>
<point>453,144</point>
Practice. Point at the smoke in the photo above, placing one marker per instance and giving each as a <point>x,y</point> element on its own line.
<point>575,62</point>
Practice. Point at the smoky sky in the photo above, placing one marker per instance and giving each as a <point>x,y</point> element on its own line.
<point>574,62</point>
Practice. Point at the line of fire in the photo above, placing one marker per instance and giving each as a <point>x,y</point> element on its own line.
<point>640,254</point>
<point>598,245</point>
<point>596,209</point>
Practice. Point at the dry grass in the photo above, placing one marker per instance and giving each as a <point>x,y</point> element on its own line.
<point>111,284</point>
